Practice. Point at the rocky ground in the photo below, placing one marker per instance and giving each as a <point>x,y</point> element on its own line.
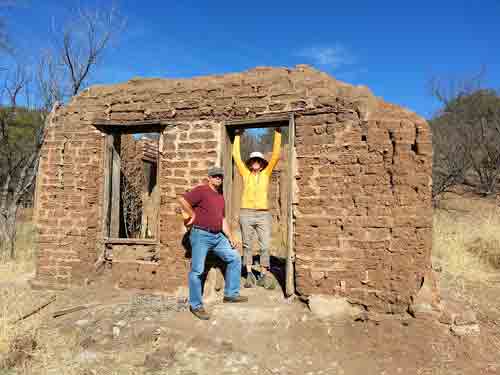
<point>128,333</point>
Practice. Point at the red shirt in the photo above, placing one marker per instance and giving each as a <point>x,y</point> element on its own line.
<point>208,205</point>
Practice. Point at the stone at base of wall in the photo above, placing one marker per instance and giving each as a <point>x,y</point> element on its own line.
<point>335,308</point>
<point>425,311</point>
<point>462,321</point>
<point>45,285</point>
<point>426,304</point>
<point>466,330</point>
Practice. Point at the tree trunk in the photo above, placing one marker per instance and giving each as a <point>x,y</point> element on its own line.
<point>4,238</point>
<point>8,231</point>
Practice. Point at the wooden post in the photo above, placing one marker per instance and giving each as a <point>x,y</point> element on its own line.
<point>290,256</point>
<point>107,170</point>
<point>115,189</point>
<point>227,165</point>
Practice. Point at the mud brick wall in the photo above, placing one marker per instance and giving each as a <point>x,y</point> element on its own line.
<point>68,198</point>
<point>363,180</point>
<point>134,265</point>
<point>363,218</point>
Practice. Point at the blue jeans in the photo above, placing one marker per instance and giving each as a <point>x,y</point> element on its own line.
<point>201,243</point>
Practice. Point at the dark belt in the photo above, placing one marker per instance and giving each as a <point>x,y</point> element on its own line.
<point>207,229</point>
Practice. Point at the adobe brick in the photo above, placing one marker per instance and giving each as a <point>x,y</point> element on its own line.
<point>127,116</point>
<point>201,135</point>
<point>176,181</point>
<point>210,145</point>
<point>190,146</point>
<point>373,157</point>
<point>424,148</point>
<point>175,164</point>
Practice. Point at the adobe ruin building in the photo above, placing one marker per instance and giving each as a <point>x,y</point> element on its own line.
<point>361,197</point>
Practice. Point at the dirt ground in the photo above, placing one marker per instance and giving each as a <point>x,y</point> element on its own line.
<point>137,334</point>
<point>130,333</point>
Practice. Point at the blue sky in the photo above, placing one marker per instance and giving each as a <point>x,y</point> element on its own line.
<point>393,47</point>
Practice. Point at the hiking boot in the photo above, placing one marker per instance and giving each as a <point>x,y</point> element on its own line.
<point>250,281</point>
<point>200,313</point>
<point>267,282</point>
<point>235,299</point>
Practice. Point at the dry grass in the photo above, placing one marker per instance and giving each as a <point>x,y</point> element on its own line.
<point>16,301</point>
<point>54,353</point>
<point>466,238</point>
<point>24,263</point>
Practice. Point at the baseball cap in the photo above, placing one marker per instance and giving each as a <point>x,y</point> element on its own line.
<point>215,171</point>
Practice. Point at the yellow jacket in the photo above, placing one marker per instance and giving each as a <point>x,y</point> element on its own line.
<point>255,185</point>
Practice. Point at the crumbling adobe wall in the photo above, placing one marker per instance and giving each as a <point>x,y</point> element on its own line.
<point>68,200</point>
<point>363,218</point>
<point>363,180</point>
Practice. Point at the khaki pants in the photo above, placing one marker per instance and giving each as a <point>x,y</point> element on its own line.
<point>255,223</point>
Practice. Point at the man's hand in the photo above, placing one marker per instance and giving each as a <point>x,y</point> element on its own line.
<point>191,220</point>
<point>236,244</point>
<point>187,212</point>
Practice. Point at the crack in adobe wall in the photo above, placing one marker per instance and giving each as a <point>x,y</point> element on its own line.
<point>391,171</point>
<point>60,169</point>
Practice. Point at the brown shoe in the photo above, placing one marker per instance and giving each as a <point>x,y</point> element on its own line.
<point>235,299</point>
<point>200,313</point>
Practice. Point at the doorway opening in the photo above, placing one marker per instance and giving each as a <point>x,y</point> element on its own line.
<point>258,136</point>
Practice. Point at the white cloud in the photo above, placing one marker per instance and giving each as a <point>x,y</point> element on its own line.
<point>332,56</point>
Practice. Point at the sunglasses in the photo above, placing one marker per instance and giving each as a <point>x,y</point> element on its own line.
<point>218,176</point>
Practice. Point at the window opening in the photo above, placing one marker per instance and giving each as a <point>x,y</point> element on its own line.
<point>133,193</point>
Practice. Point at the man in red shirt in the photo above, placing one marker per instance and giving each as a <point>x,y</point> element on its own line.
<point>205,207</point>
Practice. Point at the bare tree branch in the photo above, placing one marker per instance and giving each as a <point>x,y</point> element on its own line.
<point>84,42</point>
<point>61,72</point>
<point>466,137</point>
<point>50,79</point>
<point>16,82</point>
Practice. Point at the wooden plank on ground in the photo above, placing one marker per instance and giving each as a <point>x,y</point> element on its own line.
<point>36,309</point>
<point>59,313</point>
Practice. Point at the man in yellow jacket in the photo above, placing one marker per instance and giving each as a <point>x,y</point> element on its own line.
<point>255,217</point>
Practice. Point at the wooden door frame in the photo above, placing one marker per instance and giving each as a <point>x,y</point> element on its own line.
<point>110,130</point>
<point>226,161</point>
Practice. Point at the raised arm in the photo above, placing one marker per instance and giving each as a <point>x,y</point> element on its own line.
<point>242,168</point>
<point>276,151</point>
